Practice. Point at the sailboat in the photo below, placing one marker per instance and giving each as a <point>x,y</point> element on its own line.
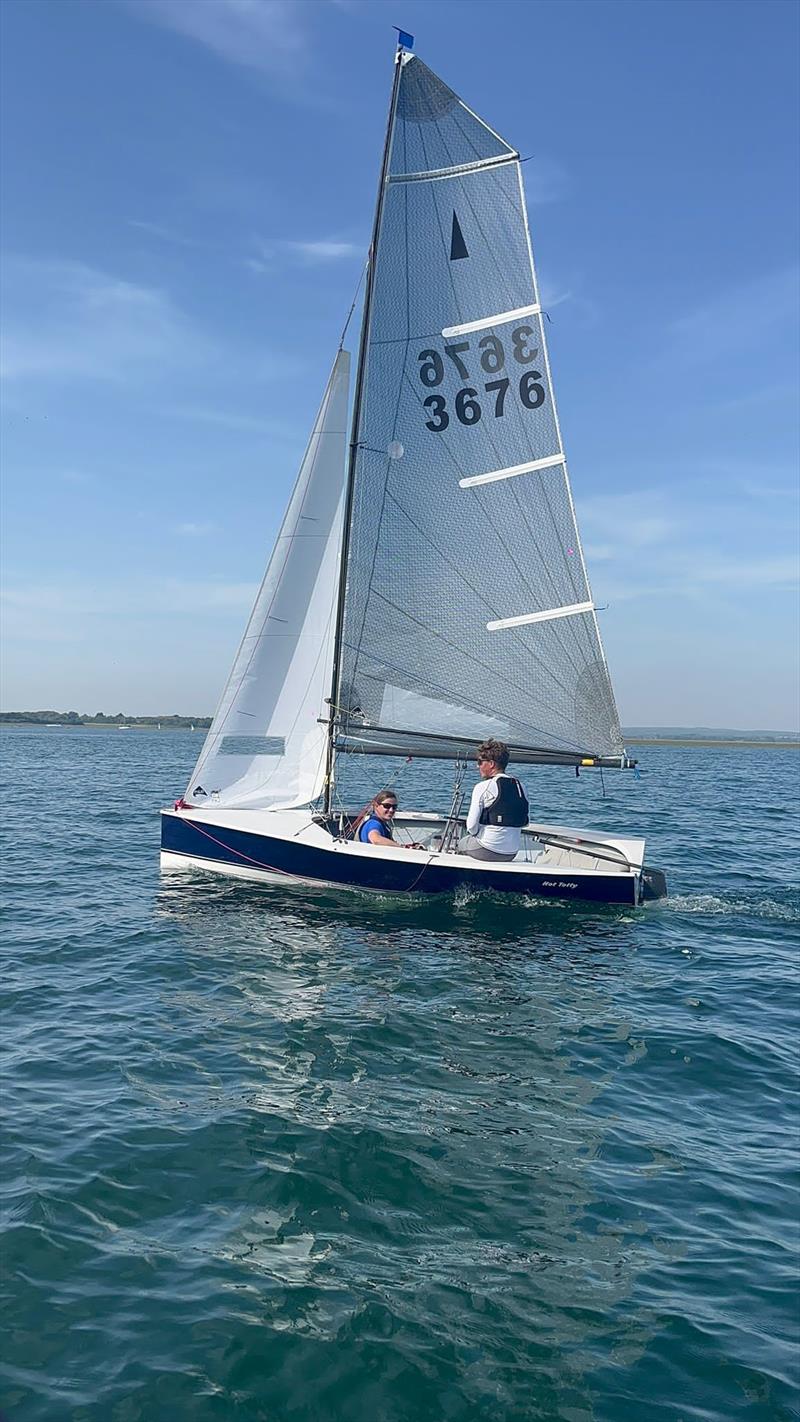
<point>427,588</point>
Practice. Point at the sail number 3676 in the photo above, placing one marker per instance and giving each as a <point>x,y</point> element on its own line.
<point>493,361</point>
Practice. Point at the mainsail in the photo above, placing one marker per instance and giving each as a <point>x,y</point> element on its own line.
<point>266,746</point>
<point>466,607</point>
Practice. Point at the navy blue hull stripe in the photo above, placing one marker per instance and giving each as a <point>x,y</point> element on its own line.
<point>223,845</point>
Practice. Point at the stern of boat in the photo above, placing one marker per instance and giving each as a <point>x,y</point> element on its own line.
<point>652,884</point>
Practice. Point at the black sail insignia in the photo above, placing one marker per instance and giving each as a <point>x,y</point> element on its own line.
<point>458,247</point>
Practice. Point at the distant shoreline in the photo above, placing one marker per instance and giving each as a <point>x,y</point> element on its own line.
<point>105,725</point>
<point>52,719</point>
<point>709,742</point>
<point>202,724</point>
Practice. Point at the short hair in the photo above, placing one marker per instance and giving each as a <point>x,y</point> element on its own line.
<point>496,751</point>
<point>383,795</point>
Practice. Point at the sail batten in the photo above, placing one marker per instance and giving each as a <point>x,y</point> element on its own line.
<point>435,175</point>
<point>549,615</point>
<point>550,462</point>
<point>484,322</point>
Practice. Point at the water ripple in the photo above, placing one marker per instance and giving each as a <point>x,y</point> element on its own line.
<point>326,1157</point>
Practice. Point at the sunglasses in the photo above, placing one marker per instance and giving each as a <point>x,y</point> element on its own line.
<point>388,805</point>
<point>483,760</point>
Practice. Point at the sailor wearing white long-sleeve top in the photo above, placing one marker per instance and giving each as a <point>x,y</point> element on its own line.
<point>494,833</point>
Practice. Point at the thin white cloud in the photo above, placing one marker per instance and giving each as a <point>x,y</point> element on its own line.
<point>701,574</point>
<point>777,571</point>
<point>770,492</point>
<point>738,319</point>
<point>194,530</point>
<point>545,181</point>
<point>599,552</point>
<point>66,320</point>
<point>227,419</point>
<point>616,520</point>
<point>164,234</point>
<point>269,252</point>
<point>45,610</point>
<point>552,296</point>
<point>324,251</point>
<point>267,35</point>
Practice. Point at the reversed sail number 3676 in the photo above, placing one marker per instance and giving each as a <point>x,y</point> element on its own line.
<point>493,361</point>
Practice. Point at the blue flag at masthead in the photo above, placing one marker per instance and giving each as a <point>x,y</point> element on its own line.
<point>405,41</point>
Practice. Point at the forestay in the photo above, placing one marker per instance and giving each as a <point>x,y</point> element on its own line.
<point>467,609</point>
<point>266,746</point>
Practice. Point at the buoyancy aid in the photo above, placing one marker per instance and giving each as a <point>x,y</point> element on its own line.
<point>510,809</point>
<point>373,823</point>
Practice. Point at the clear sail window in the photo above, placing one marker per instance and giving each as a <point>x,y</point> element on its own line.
<point>252,745</point>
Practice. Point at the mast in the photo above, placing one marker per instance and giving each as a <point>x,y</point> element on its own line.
<point>356,421</point>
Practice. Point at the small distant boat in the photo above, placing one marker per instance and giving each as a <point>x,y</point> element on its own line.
<point>121,727</point>
<point>428,588</point>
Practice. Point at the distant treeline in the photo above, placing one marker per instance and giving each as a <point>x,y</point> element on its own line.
<point>77,718</point>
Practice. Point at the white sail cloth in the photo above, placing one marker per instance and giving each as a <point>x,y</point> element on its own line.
<point>467,606</point>
<point>266,747</point>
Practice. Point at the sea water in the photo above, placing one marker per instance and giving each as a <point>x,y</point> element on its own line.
<point>279,1153</point>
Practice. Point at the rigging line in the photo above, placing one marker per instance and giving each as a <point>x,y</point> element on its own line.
<point>367,336</point>
<point>353,305</point>
<point>405,239</point>
<point>481,494</point>
<point>358,413</point>
<point>445,559</point>
<point>403,612</point>
<point>238,852</point>
<point>387,785</point>
<point>379,523</point>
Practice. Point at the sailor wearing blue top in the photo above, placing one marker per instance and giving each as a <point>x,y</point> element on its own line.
<point>377,827</point>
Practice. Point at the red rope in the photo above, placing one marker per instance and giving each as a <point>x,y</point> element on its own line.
<point>259,863</point>
<point>287,872</point>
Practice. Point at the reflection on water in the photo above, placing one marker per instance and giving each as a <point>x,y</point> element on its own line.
<point>426,1113</point>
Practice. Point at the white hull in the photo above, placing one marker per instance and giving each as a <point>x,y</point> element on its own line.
<point>290,846</point>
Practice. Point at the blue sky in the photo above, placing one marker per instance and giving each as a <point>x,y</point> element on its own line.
<point>187,199</point>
